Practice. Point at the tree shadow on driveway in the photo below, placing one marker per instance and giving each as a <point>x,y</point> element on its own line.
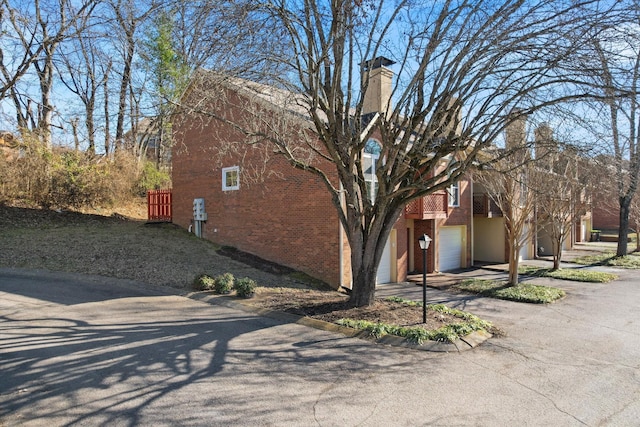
<point>156,359</point>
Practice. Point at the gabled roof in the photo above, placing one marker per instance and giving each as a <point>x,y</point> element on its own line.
<point>267,96</point>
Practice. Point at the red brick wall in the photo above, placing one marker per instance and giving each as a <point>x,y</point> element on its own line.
<point>424,227</point>
<point>462,215</point>
<point>286,217</point>
<point>402,254</point>
<point>605,217</point>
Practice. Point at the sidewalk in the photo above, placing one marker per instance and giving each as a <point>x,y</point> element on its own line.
<point>499,271</point>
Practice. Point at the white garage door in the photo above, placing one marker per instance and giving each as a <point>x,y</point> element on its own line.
<point>525,250</point>
<point>450,252</point>
<point>384,268</point>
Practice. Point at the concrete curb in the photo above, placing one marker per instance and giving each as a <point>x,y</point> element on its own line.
<point>463,344</point>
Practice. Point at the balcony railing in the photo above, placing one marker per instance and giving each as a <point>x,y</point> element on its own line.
<point>428,207</point>
<point>484,206</point>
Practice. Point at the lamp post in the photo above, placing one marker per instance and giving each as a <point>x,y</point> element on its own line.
<point>424,241</point>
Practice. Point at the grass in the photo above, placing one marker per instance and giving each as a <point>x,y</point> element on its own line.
<point>523,292</point>
<point>449,333</point>
<point>568,274</point>
<point>631,261</point>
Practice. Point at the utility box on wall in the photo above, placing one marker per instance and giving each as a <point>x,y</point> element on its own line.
<point>199,215</point>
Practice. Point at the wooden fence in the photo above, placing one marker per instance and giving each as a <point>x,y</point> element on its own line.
<point>159,206</point>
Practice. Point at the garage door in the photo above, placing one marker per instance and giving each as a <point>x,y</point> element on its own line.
<point>384,268</point>
<point>450,252</point>
<point>525,250</point>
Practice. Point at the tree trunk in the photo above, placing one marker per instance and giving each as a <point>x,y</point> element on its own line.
<point>159,143</point>
<point>366,252</point>
<point>364,267</point>
<point>90,125</point>
<point>557,254</point>
<point>45,75</point>
<point>623,232</point>
<point>125,83</point>
<point>364,285</point>
<point>76,138</point>
<point>514,264</point>
<point>107,129</point>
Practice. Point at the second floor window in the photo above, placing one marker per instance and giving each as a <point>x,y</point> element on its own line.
<point>454,194</point>
<point>231,178</point>
<point>369,164</point>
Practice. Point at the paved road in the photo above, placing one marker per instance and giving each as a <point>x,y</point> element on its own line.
<point>80,350</point>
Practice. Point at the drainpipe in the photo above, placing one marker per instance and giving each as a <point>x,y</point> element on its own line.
<point>341,243</point>
<point>472,261</point>
<point>535,231</point>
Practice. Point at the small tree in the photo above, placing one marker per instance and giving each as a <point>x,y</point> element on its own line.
<point>556,212</point>
<point>506,184</point>
<point>169,75</point>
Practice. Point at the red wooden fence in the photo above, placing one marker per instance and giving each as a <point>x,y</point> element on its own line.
<point>159,205</point>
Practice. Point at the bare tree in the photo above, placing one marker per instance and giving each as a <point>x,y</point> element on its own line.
<point>84,70</point>
<point>506,182</point>
<point>463,68</point>
<point>129,18</point>
<point>609,67</point>
<point>40,28</point>
<point>22,51</point>
<point>560,201</point>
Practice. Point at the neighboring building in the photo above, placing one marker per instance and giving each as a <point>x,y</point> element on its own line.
<point>490,240</point>
<point>606,217</point>
<point>572,178</point>
<point>145,141</point>
<point>257,202</point>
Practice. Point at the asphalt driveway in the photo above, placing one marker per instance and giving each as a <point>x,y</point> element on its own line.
<point>84,350</point>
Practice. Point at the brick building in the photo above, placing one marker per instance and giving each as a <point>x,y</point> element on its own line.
<point>257,202</point>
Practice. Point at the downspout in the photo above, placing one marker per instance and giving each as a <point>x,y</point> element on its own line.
<point>341,243</point>
<point>535,231</point>
<point>472,261</point>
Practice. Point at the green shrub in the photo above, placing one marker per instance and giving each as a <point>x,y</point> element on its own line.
<point>204,282</point>
<point>152,178</point>
<point>245,288</point>
<point>523,292</point>
<point>416,334</point>
<point>574,274</point>
<point>224,283</point>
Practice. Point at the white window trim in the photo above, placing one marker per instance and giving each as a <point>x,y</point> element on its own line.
<point>454,194</point>
<point>374,177</point>
<point>225,186</point>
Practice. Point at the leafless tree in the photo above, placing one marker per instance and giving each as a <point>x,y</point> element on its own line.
<point>84,69</point>
<point>560,198</point>
<point>40,28</point>
<point>608,65</point>
<point>129,17</point>
<point>463,67</point>
<point>507,182</point>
